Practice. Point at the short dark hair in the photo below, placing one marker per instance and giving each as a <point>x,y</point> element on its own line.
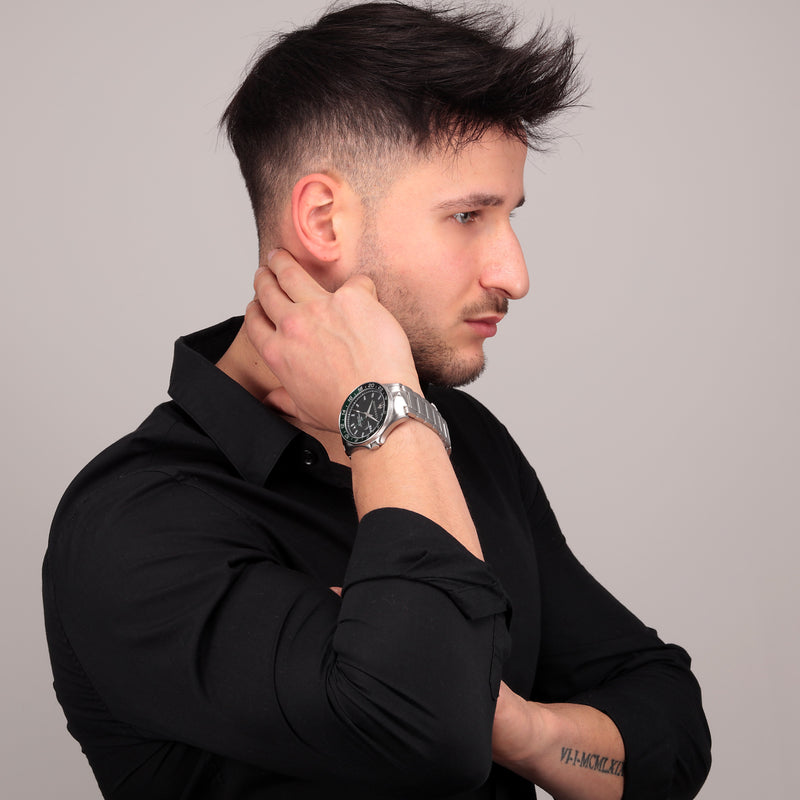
<point>368,81</point>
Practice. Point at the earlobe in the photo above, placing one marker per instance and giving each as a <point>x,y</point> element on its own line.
<point>314,205</point>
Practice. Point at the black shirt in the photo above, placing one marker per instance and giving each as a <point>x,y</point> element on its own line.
<point>198,651</point>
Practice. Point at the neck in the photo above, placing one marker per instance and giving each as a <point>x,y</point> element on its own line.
<point>242,362</point>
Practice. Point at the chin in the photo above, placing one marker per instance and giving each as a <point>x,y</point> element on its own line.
<point>452,374</point>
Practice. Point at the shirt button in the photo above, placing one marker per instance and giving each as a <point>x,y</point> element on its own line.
<point>309,458</point>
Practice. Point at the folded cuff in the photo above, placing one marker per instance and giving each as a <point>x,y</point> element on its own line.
<point>398,543</point>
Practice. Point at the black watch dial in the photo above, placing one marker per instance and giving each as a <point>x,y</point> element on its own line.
<point>363,413</point>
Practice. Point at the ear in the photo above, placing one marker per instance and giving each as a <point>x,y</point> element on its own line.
<point>317,201</point>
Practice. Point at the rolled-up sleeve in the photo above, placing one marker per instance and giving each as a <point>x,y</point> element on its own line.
<point>418,649</point>
<point>190,633</point>
<point>595,652</point>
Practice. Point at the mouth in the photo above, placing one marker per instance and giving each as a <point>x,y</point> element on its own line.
<point>485,326</point>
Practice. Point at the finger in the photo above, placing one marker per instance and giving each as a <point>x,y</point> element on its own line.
<point>292,277</point>
<point>274,301</point>
<point>361,282</point>
<point>258,327</point>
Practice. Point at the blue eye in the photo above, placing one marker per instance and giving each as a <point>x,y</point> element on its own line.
<point>464,217</point>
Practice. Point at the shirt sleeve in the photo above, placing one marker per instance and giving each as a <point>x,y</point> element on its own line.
<point>595,652</point>
<point>191,633</point>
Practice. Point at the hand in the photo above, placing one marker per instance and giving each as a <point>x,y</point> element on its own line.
<point>321,345</point>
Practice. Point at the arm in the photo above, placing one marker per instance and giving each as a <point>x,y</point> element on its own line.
<point>321,345</point>
<point>194,624</point>
<point>596,655</point>
<point>573,751</point>
<point>193,631</point>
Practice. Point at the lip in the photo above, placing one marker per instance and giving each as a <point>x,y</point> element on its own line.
<point>485,326</point>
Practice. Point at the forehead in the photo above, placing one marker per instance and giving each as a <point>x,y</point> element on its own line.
<point>491,166</point>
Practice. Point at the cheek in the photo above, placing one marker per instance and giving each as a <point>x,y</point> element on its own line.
<point>429,270</point>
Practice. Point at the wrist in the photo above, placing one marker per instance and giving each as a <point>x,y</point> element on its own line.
<point>372,411</point>
<point>407,438</point>
<point>524,732</point>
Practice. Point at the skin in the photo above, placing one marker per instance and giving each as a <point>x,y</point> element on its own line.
<point>441,251</point>
<point>405,291</point>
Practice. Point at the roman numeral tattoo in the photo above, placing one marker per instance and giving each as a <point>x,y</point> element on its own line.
<point>593,761</point>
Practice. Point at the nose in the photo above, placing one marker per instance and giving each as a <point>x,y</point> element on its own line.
<point>505,271</point>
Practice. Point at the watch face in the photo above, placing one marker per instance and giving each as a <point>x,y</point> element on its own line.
<point>363,413</point>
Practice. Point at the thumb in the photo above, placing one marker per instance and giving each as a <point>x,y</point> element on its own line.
<point>363,282</point>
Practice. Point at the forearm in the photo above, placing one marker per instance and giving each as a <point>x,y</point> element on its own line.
<point>574,752</point>
<point>412,470</point>
<point>319,345</point>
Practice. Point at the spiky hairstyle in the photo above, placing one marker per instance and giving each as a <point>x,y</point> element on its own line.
<point>371,82</point>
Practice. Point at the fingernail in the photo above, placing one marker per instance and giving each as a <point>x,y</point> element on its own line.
<point>272,253</point>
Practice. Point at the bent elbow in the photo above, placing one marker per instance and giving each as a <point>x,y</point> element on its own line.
<point>437,747</point>
<point>458,762</point>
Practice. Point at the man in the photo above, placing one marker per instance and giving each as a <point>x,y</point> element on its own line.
<point>319,571</point>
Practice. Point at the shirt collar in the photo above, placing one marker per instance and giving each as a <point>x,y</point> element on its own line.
<point>250,436</point>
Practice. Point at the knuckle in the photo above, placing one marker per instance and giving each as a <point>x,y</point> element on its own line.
<point>253,320</point>
<point>271,353</point>
<point>262,275</point>
<point>289,273</point>
<point>293,326</point>
<point>295,271</point>
<point>264,288</point>
<point>318,309</point>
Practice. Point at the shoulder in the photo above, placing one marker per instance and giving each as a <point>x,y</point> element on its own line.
<point>483,448</point>
<point>149,522</point>
<point>153,479</point>
<point>461,409</point>
<point>472,424</point>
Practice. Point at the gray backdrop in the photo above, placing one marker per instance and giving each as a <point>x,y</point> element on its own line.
<point>651,375</point>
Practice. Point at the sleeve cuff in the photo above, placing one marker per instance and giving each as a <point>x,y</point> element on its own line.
<point>397,543</point>
<point>649,756</point>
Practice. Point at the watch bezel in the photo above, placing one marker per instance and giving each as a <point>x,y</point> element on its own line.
<point>359,390</point>
<point>401,404</point>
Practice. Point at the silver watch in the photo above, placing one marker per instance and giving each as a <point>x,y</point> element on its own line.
<point>372,410</point>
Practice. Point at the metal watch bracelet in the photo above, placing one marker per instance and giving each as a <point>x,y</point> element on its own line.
<point>420,409</point>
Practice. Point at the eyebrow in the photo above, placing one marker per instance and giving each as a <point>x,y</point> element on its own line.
<point>473,200</point>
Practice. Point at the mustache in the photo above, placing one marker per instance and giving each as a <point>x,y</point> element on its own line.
<point>490,305</point>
